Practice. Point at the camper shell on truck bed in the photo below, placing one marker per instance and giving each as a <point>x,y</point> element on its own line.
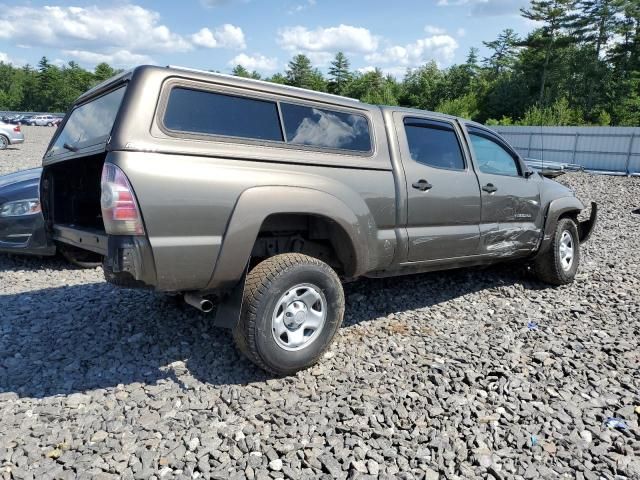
<point>187,180</point>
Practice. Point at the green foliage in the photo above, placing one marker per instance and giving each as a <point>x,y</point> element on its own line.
<point>465,107</point>
<point>504,121</point>
<point>339,74</point>
<point>240,71</point>
<point>50,88</point>
<point>559,114</point>
<point>373,87</point>
<point>505,49</point>
<point>580,66</point>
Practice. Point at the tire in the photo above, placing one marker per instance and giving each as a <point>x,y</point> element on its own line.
<point>293,306</point>
<point>4,142</point>
<point>551,267</point>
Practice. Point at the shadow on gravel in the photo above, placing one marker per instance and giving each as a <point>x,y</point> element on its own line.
<point>91,336</point>
<point>10,262</point>
<point>381,297</point>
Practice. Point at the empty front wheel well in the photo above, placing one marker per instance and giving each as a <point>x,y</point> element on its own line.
<point>572,214</point>
<point>314,235</point>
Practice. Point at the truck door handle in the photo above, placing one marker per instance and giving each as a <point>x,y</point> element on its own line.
<point>490,188</point>
<point>422,185</point>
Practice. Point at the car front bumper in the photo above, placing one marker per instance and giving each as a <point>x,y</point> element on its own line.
<point>25,235</point>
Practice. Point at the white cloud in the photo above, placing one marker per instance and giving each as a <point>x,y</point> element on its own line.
<point>488,8</point>
<point>226,36</point>
<point>4,58</point>
<point>461,32</point>
<point>255,62</point>
<point>441,48</point>
<point>321,59</point>
<point>302,7</point>
<point>217,3</point>
<point>119,58</point>
<point>397,72</point>
<point>343,37</point>
<point>128,27</point>
<point>329,130</point>
<point>433,30</point>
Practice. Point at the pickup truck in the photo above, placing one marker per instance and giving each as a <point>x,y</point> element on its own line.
<point>260,200</point>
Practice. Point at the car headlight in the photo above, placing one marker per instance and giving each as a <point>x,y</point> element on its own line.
<point>20,208</point>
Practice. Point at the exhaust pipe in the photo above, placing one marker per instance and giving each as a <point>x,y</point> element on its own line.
<point>199,302</point>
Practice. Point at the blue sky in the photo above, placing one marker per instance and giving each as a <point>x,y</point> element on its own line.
<point>259,34</point>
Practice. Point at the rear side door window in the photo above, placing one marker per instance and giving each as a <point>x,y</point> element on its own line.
<point>492,157</point>
<point>434,144</point>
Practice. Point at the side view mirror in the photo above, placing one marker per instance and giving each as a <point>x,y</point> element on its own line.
<point>528,173</point>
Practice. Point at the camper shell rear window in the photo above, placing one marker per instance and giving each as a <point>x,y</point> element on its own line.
<point>90,123</point>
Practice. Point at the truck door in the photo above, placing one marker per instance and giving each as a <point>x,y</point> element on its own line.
<point>443,195</point>
<point>510,199</point>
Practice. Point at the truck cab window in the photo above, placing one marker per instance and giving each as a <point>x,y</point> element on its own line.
<point>434,144</point>
<point>492,158</point>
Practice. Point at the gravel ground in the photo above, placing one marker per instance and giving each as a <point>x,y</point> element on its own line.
<point>481,373</point>
<point>29,154</point>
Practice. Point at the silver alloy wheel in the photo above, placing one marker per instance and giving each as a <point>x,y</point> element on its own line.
<point>566,249</point>
<point>3,142</point>
<point>299,317</point>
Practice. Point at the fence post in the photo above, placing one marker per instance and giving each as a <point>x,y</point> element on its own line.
<point>633,136</point>
<point>575,147</point>
<point>529,147</point>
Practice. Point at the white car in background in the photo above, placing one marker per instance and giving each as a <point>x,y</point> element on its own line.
<point>10,135</point>
<point>43,120</point>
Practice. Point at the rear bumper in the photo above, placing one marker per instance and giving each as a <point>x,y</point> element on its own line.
<point>16,140</point>
<point>128,260</point>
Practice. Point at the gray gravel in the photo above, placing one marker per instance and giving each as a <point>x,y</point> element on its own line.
<point>481,373</point>
<point>29,154</point>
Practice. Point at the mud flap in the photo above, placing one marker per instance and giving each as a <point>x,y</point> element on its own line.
<point>585,229</point>
<point>230,306</point>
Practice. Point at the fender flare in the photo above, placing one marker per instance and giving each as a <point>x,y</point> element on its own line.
<point>556,209</point>
<point>255,204</point>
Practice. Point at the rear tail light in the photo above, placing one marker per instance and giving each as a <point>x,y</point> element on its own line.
<point>16,128</point>
<point>120,212</point>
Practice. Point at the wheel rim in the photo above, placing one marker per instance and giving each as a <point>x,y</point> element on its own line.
<point>3,142</point>
<point>299,317</point>
<point>566,250</point>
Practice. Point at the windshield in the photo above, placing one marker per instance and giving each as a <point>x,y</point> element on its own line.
<point>89,124</point>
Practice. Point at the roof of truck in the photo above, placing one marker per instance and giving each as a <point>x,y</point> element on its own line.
<point>262,85</point>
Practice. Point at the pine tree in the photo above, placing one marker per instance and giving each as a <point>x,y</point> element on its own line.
<point>596,22</point>
<point>339,74</point>
<point>240,71</point>
<point>554,15</point>
<point>103,71</point>
<point>300,72</point>
<point>504,48</point>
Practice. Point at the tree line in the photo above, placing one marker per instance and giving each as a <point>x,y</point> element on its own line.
<point>580,66</point>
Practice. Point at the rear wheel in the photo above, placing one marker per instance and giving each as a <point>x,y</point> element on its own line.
<point>559,264</point>
<point>293,306</point>
<point>4,142</point>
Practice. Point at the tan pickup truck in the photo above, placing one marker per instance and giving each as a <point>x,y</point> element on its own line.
<point>258,200</point>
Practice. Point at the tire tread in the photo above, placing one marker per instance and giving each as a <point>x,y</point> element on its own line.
<point>256,288</point>
<point>547,266</point>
